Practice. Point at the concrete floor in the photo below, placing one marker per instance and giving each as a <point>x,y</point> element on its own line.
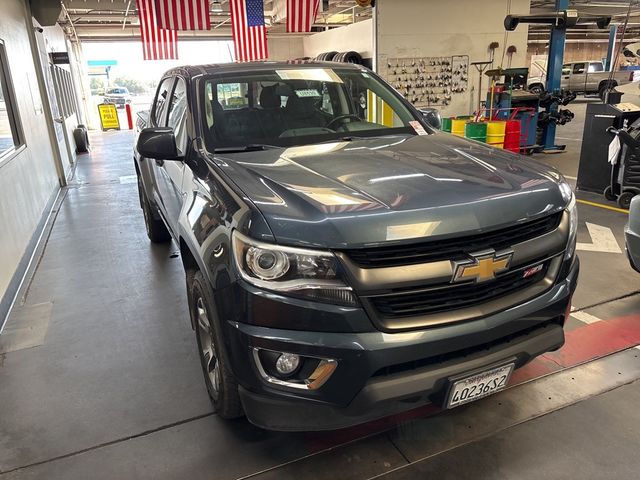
<point>99,376</point>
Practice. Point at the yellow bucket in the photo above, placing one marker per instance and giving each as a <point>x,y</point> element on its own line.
<point>495,133</point>
<point>457,126</point>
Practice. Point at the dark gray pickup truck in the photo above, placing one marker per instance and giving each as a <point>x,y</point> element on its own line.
<point>344,261</point>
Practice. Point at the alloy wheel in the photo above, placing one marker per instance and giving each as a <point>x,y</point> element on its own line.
<point>207,348</point>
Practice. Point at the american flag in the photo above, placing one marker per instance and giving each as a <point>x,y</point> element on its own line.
<point>249,33</point>
<point>301,14</point>
<point>183,14</point>
<point>157,43</point>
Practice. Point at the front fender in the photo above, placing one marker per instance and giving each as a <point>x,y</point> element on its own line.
<point>212,209</point>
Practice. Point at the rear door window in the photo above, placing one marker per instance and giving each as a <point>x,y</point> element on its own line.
<point>596,67</point>
<point>232,96</point>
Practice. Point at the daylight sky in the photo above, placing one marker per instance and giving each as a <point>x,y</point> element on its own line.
<point>131,64</point>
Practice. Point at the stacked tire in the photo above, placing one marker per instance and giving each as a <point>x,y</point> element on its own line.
<point>342,57</point>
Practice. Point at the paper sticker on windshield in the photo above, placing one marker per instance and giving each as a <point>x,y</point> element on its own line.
<point>315,74</point>
<point>417,126</point>
<point>308,93</point>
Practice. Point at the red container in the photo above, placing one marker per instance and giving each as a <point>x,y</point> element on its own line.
<point>512,136</point>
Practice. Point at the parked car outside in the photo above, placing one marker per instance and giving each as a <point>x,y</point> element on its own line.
<point>588,77</point>
<point>632,234</point>
<point>345,261</point>
<point>119,96</point>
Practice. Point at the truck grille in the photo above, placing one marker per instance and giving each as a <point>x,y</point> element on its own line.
<point>410,303</point>
<point>449,249</point>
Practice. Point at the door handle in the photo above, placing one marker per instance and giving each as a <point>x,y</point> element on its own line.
<point>159,162</point>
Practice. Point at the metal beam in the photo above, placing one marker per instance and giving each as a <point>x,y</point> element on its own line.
<point>613,32</point>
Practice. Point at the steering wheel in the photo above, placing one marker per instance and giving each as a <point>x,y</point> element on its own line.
<point>341,118</point>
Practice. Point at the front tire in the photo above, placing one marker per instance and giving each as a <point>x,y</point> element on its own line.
<point>221,384</point>
<point>156,229</point>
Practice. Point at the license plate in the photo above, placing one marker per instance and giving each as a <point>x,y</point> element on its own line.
<point>478,386</point>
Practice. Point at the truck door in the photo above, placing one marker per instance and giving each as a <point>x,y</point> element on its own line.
<point>593,81</point>
<point>169,173</point>
<point>578,77</point>
<point>158,118</point>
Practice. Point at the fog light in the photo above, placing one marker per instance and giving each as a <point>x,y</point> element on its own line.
<point>287,363</point>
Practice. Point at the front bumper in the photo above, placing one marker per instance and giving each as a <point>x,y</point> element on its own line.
<point>379,373</point>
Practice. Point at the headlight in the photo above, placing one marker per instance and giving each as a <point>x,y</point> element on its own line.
<point>572,208</point>
<point>312,274</point>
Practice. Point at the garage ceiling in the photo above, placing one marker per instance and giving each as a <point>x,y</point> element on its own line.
<point>589,33</point>
<point>118,19</point>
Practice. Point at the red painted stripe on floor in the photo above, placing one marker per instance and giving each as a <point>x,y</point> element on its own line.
<point>583,344</point>
<point>538,367</point>
<point>597,340</point>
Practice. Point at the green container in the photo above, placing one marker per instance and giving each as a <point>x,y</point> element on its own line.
<point>446,125</point>
<point>476,131</point>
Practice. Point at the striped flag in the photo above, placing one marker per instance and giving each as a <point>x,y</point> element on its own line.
<point>249,33</point>
<point>157,43</point>
<point>183,14</point>
<point>301,15</point>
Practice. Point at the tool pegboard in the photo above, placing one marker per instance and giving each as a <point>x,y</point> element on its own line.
<point>459,73</point>
<point>428,81</point>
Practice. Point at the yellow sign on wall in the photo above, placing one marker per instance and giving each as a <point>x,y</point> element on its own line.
<point>108,116</point>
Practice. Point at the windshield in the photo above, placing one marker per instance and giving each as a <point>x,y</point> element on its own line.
<point>117,90</point>
<point>289,107</point>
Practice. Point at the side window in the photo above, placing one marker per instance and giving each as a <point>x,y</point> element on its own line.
<point>178,115</point>
<point>566,69</point>
<point>10,131</point>
<point>232,96</point>
<point>160,104</point>
<point>596,67</point>
<point>578,68</point>
<point>327,105</point>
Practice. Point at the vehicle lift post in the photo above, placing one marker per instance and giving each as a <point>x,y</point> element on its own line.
<point>559,20</point>
<point>554,74</point>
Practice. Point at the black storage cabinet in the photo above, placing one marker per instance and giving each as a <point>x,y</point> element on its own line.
<point>594,171</point>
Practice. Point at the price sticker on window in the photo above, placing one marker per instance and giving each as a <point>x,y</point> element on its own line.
<point>308,93</point>
<point>417,126</point>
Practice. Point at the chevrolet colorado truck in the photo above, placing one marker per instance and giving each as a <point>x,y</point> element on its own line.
<point>345,261</point>
<point>588,77</point>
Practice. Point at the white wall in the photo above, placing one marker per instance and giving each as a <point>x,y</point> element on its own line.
<point>357,37</point>
<point>27,179</point>
<point>422,28</point>
<point>285,48</point>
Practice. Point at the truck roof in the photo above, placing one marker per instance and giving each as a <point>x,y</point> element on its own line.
<point>217,68</point>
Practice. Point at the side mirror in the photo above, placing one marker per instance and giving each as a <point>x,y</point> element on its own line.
<point>432,117</point>
<point>158,143</point>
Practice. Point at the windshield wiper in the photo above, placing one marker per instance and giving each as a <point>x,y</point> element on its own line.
<point>252,147</point>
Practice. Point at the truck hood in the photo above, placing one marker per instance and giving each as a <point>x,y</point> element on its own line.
<point>391,189</point>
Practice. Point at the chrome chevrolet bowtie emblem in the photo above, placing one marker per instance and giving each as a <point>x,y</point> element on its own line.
<point>482,266</point>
